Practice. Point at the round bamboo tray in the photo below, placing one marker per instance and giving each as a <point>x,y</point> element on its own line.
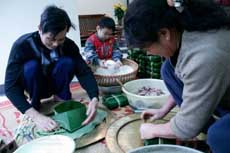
<point>111,80</point>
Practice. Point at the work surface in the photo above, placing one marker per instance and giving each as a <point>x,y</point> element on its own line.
<point>117,116</point>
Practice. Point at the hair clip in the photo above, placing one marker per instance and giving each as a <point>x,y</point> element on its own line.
<point>179,5</point>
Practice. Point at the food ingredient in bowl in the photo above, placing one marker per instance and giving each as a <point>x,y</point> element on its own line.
<point>110,64</point>
<point>149,91</point>
<point>122,70</point>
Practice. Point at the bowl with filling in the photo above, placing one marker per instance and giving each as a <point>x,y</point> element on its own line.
<point>146,93</point>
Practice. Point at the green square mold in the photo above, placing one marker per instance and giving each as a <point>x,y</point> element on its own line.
<point>70,115</point>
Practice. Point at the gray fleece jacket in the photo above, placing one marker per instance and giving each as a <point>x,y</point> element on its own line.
<point>203,65</point>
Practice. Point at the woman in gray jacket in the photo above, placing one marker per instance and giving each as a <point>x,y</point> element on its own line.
<point>194,37</point>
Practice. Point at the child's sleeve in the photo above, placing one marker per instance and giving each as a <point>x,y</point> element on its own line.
<point>117,54</point>
<point>90,53</point>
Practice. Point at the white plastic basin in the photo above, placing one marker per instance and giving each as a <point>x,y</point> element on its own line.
<point>143,102</point>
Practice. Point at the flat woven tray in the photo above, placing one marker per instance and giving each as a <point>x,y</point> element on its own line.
<point>123,135</point>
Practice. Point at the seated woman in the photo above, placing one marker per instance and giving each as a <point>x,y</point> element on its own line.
<point>43,63</point>
<point>194,37</point>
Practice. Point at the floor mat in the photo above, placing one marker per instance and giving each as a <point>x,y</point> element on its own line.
<point>10,117</point>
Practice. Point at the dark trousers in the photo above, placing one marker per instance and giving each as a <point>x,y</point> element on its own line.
<point>218,131</point>
<point>57,82</point>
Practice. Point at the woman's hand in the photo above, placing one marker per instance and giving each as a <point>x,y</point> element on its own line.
<point>118,64</point>
<point>91,111</point>
<point>102,64</point>
<point>153,114</point>
<point>149,131</point>
<point>41,121</point>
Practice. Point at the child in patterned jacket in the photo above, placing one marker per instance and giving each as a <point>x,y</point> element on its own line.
<point>102,46</point>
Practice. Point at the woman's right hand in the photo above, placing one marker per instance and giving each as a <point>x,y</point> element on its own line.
<point>41,121</point>
<point>153,114</point>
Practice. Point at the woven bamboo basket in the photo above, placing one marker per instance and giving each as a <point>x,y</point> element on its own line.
<point>111,80</point>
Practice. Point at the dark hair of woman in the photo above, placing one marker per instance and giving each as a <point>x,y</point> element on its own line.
<point>55,20</point>
<point>144,18</point>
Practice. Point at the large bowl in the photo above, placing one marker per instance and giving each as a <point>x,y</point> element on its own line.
<point>164,149</point>
<point>144,102</point>
<point>111,80</point>
<point>49,144</point>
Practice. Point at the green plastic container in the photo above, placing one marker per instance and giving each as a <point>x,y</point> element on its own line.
<point>70,115</point>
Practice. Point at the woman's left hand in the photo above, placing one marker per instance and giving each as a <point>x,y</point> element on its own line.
<point>91,111</point>
<point>149,131</point>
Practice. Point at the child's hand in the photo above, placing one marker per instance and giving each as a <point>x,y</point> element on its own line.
<point>118,64</point>
<point>102,64</point>
<point>43,122</point>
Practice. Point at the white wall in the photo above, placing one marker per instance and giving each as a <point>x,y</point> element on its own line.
<point>98,6</point>
<point>18,17</point>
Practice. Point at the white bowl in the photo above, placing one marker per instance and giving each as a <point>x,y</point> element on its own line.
<point>49,144</point>
<point>164,149</point>
<point>144,102</point>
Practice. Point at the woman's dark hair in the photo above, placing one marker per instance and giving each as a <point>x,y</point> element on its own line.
<point>144,18</point>
<point>107,22</point>
<point>55,20</point>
